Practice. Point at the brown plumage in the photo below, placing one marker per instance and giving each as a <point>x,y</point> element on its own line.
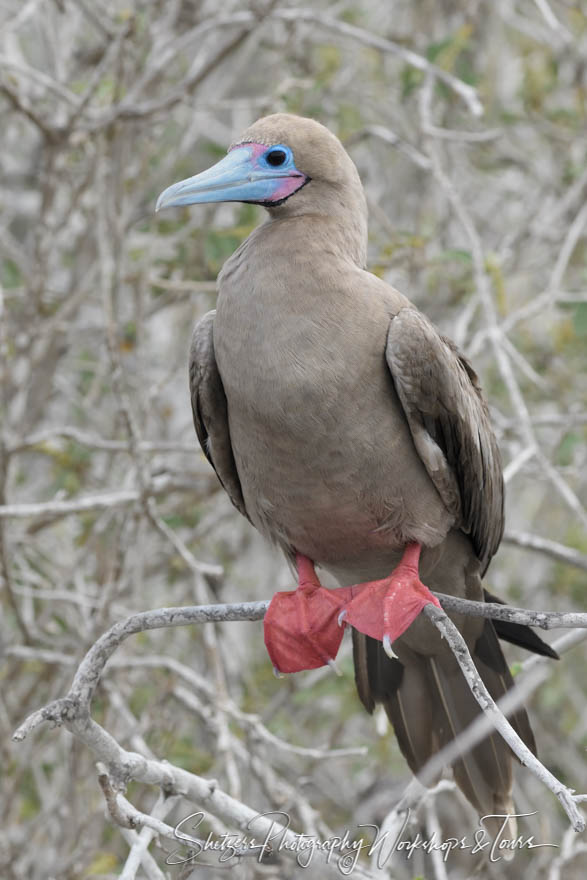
<point>344,426</point>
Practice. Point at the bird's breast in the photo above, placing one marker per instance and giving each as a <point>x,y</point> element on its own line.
<point>323,451</point>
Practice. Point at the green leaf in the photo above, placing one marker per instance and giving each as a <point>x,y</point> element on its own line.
<point>102,863</point>
<point>10,274</point>
<point>218,246</point>
<point>456,255</point>
<point>567,448</point>
<point>580,319</point>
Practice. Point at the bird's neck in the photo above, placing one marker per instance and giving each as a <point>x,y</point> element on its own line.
<point>333,237</point>
<point>334,220</point>
<point>316,238</point>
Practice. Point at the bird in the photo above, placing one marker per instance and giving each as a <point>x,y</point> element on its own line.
<point>356,437</point>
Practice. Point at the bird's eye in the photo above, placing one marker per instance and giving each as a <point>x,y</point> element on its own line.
<point>276,157</point>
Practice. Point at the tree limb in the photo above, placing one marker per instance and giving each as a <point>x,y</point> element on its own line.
<point>73,710</point>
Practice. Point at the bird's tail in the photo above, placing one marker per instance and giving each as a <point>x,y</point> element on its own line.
<point>429,703</point>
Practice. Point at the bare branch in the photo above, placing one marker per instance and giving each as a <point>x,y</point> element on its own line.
<point>92,666</point>
<point>123,765</point>
<point>459,648</point>
<point>552,21</point>
<point>73,710</point>
<point>40,78</point>
<point>494,330</point>
<point>102,501</point>
<point>535,671</point>
<point>100,443</point>
<point>493,611</point>
<point>547,546</point>
<point>467,93</point>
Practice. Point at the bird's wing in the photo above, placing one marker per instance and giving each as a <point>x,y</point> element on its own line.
<point>449,423</point>
<point>210,410</point>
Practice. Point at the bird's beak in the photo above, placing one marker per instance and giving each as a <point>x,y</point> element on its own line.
<point>236,178</point>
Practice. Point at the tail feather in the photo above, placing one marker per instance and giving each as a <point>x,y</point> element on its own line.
<point>483,773</point>
<point>485,770</point>
<point>490,662</point>
<point>415,699</point>
<point>403,691</point>
<point>429,702</point>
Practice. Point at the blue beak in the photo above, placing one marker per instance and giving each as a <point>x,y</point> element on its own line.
<point>237,178</point>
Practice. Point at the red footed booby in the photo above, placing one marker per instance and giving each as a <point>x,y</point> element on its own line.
<point>351,433</point>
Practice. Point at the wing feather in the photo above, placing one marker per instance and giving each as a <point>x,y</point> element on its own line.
<point>449,422</point>
<point>210,410</point>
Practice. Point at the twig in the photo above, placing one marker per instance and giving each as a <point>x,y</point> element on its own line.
<point>523,457</point>
<point>434,832</point>
<point>561,646</point>
<point>181,285</point>
<point>22,105</point>
<point>129,108</point>
<point>164,54</point>
<point>102,501</point>
<point>474,733</point>
<point>40,438</point>
<point>570,848</point>
<point>534,671</point>
<point>113,47</point>
<point>124,765</point>
<point>195,565</point>
<point>467,93</point>
<point>126,815</point>
<point>459,648</point>
<point>40,654</point>
<point>414,796</point>
<point>465,137</point>
<point>493,611</point>
<point>25,12</point>
<point>552,21</point>
<point>388,136</point>
<point>547,297</point>
<point>40,78</point>
<point>482,283</point>
<point>73,710</point>
<point>261,732</point>
<point>140,856</point>
<point>92,666</point>
<point>279,790</point>
<point>557,551</point>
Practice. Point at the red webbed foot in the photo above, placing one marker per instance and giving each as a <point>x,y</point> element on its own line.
<point>384,609</point>
<point>304,627</point>
<point>301,626</point>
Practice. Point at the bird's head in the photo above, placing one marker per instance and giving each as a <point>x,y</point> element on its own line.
<point>289,164</point>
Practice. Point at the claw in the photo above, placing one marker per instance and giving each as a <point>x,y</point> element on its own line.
<point>387,647</point>
<point>401,596</point>
<point>341,617</point>
<point>335,668</point>
<point>277,673</point>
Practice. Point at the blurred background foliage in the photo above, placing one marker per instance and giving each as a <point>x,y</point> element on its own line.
<point>480,220</point>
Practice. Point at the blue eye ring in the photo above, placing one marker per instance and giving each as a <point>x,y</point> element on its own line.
<point>278,156</point>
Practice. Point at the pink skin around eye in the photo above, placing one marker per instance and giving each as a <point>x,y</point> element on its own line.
<point>258,150</point>
<point>288,185</point>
